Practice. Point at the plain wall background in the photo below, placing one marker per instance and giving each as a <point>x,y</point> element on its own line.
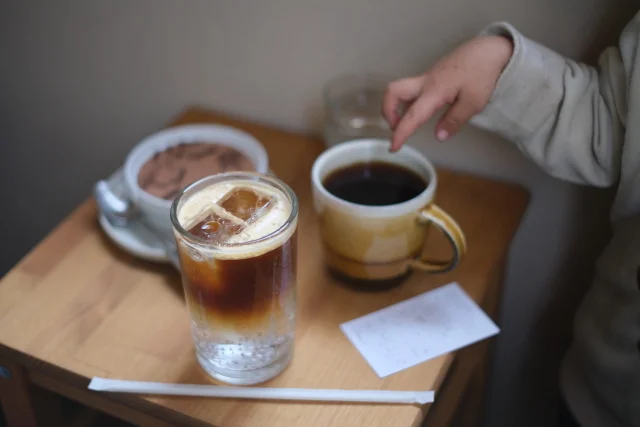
<point>82,82</point>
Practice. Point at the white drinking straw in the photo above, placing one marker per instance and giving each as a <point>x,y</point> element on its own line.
<point>372,396</point>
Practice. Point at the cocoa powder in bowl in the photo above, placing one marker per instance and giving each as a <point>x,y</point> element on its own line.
<point>167,172</point>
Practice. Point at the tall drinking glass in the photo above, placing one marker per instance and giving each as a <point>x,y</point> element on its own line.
<point>236,235</point>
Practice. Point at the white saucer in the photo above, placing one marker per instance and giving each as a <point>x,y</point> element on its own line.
<point>135,238</point>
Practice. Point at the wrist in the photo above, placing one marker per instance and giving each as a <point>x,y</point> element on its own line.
<point>501,48</point>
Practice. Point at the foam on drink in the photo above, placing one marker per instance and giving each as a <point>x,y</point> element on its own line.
<point>248,212</point>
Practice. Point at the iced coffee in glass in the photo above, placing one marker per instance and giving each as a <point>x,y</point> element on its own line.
<point>236,238</point>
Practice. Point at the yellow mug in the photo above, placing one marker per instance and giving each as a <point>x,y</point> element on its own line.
<point>376,247</point>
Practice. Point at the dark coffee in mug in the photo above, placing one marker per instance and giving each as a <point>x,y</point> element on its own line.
<point>375,183</point>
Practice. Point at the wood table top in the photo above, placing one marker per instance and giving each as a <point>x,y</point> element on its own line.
<point>77,307</point>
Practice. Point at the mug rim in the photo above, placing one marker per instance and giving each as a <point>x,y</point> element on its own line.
<point>415,204</point>
<point>170,137</point>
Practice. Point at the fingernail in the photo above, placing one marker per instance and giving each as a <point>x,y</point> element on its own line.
<point>442,135</point>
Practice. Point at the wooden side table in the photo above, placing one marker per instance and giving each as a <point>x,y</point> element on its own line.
<point>77,307</point>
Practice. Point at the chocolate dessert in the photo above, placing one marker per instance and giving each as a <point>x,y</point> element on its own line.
<point>169,171</point>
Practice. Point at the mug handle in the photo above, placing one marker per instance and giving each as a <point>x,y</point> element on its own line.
<point>432,214</point>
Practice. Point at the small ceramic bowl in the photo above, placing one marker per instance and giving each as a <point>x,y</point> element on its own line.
<point>155,210</point>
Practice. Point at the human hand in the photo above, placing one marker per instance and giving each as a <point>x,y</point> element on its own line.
<point>464,80</point>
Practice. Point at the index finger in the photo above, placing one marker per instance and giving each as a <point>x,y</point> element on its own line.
<point>399,91</point>
<point>418,114</point>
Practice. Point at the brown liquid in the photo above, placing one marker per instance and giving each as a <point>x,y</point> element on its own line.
<point>375,184</point>
<point>241,291</point>
<point>169,171</point>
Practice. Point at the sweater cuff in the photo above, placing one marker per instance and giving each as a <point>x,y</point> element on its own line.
<point>525,95</point>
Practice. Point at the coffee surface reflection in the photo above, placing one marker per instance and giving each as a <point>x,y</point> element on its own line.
<point>375,184</point>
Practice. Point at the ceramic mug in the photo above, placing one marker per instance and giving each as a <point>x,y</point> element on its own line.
<point>376,247</point>
<point>155,210</point>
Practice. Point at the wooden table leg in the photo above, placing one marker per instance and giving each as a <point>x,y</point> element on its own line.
<point>461,399</point>
<point>15,396</point>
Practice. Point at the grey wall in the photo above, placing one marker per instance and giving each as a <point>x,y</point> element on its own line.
<point>81,82</point>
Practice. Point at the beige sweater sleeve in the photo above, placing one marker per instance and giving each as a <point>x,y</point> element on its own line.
<point>567,116</point>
